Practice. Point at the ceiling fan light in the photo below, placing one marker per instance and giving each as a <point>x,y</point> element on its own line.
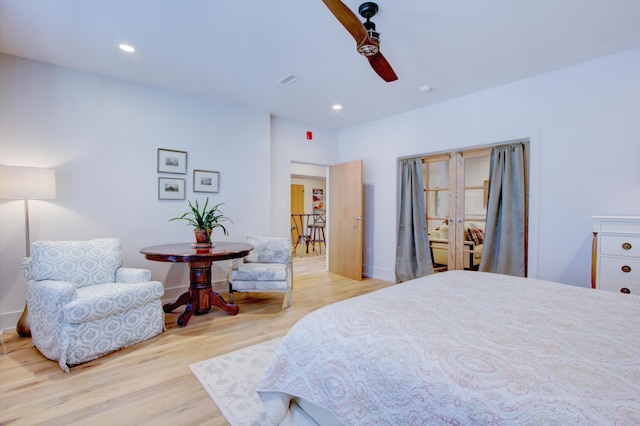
<point>368,49</point>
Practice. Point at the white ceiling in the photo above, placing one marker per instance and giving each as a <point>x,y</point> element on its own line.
<point>236,51</point>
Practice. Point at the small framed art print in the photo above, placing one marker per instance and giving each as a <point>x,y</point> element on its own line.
<point>171,189</point>
<point>206,181</point>
<point>170,161</point>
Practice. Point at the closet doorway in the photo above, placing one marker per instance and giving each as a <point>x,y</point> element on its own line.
<point>456,189</point>
<point>456,186</point>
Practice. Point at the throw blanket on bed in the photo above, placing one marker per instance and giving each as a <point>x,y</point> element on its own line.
<point>466,348</point>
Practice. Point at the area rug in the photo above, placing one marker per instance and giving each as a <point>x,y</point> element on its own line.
<point>231,380</point>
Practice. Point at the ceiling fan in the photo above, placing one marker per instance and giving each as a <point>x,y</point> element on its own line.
<point>367,39</point>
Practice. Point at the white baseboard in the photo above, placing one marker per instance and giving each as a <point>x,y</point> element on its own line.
<point>9,321</point>
<point>382,274</point>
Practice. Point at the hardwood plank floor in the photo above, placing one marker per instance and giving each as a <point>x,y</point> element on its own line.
<point>150,383</point>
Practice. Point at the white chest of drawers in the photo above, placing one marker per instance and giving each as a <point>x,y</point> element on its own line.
<point>616,253</point>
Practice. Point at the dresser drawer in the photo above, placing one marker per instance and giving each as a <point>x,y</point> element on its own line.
<point>620,267</point>
<point>620,245</point>
<point>617,284</point>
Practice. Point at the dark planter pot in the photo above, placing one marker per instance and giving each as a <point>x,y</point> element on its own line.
<point>203,237</point>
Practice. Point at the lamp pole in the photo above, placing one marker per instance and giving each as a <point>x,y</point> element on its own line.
<point>23,327</point>
<point>26,183</point>
<point>26,227</point>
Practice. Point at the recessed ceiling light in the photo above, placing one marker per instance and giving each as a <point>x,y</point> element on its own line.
<point>426,89</point>
<point>127,48</point>
<point>337,107</point>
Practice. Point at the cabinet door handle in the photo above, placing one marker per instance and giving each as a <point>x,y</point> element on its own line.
<point>626,246</point>
<point>626,268</point>
<point>625,290</point>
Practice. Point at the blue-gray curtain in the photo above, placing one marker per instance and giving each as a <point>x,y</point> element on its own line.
<point>413,258</point>
<point>505,234</point>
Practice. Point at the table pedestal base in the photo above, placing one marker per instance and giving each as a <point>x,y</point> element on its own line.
<point>212,299</point>
<point>200,297</point>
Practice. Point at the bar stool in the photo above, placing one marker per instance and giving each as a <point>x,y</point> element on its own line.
<point>300,231</point>
<point>316,227</point>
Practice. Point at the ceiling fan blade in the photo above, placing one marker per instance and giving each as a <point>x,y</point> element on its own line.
<point>348,19</point>
<point>382,67</point>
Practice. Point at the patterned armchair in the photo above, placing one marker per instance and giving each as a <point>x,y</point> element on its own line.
<point>83,304</point>
<point>266,268</point>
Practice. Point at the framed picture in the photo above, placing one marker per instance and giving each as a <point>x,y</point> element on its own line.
<point>318,199</point>
<point>171,189</point>
<point>170,161</point>
<point>206,181</point>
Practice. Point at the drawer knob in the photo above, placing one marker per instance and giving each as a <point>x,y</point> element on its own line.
<point>625,290</point>
<point>626,246</point>
<point>626,268</point>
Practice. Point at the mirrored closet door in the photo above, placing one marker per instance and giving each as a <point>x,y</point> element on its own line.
<point>456,186</point>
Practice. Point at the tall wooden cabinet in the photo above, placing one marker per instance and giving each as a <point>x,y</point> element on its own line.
<point>616,254</point>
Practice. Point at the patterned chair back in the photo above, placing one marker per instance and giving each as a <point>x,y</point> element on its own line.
<point>269,250</point>
<point>82,263</point>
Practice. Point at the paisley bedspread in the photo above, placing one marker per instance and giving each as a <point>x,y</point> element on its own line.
<point>467,348</point>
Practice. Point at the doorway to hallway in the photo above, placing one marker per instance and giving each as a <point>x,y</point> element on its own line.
<point>308,191</point>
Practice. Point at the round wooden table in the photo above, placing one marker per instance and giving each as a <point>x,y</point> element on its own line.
<point>200,296</point>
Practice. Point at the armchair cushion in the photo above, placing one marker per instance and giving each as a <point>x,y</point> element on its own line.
<point>103,300</point>
<point>132,275</point>
<point>260,272</point>
<point>261,285</point>
<point>82,263</point>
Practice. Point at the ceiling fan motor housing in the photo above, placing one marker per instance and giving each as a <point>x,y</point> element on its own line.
<point>368,10</point>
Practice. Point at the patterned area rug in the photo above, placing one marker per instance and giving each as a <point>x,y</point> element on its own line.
<point>231,380</point>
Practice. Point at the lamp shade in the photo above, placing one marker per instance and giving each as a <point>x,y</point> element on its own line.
<point>31,183</point>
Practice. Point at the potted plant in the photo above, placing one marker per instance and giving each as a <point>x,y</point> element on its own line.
<point>204,221</point>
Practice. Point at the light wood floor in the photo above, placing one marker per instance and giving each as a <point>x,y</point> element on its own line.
<point>150,383</point>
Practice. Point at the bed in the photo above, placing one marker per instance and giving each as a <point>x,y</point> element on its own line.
<point>462,347</point>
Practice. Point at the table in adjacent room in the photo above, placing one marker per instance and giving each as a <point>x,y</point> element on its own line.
<point>200,296</point>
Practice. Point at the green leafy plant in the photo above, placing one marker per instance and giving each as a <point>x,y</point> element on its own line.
<point>207,218</point>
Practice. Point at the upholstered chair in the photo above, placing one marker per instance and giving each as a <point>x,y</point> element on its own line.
<point>266,268</point>
<point>83,304</point>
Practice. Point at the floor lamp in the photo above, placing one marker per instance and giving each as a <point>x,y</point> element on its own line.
<point>26,183</point>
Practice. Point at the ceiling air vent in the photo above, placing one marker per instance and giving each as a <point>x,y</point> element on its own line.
<point>288,80</point>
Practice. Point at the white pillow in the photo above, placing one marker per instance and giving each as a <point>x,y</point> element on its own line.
<point>444,231</point>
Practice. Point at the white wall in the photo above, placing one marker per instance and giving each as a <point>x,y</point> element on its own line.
<point>101,135</point>
<point>584,126</point>
<point>290,146</point>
